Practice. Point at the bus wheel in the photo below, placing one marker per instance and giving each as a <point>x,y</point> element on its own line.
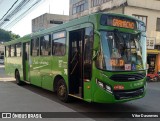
<point>62,92</point>
<point>18,81</point>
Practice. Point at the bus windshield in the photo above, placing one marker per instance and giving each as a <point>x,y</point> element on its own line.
<point>122,51</point>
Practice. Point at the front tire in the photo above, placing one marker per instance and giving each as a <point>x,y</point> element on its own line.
<point>62,91</point>
<point>18,81</point>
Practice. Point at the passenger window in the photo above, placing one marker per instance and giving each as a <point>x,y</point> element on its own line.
<point>8,51</point>
<point>45,45</point>
<point>35,47</point>
<point>13,53</point>
<point>18,49</point>
<point>59,44</point>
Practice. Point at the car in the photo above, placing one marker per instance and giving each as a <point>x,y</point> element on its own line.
<point>1,61</point>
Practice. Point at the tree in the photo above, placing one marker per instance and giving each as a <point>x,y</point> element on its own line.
<point>7,36</point>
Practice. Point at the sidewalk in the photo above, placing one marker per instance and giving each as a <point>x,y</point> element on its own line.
<point>3,76</point>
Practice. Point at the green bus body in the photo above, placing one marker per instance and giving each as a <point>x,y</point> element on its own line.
<point>84,78</point>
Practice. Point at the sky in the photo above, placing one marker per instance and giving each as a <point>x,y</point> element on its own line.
<point>23,27</point>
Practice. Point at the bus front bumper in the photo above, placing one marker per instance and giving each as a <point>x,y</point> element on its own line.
<point>102,96</point>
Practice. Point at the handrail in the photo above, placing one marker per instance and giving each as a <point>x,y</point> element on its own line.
<point>74,67</point>
<point>74,56</point>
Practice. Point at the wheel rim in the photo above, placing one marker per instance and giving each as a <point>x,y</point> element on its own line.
<point>62,90</point>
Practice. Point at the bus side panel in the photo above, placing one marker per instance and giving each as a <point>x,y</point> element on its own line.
<point>60,67</point>
<point>9,66</point>
<point>35,78</point>
<point>46,73</point>
<point>13,63</point>
<point>53,66</point>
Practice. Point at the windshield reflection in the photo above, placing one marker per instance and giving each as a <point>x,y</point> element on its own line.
<point>122,51</point>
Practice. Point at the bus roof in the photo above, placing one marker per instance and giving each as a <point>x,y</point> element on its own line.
<point>24,38</point>
<point>70,23</point>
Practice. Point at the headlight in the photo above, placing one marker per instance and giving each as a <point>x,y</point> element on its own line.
<point>100,84</point>
<point>108,88</point>
<point>104,86</point>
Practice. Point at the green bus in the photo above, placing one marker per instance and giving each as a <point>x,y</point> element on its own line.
<point>97,58</point>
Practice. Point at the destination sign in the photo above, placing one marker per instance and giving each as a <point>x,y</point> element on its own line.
<point>117,62</point>
<point>123,23</point>
<point>119,21</point>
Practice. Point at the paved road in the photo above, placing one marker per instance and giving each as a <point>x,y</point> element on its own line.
<point>28,98</point>
<point>14,98</point>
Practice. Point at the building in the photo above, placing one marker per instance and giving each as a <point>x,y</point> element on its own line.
<point>47,20</point>
<point>146,10</point>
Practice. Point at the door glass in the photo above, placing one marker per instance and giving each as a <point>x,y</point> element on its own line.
<point>88,46</point>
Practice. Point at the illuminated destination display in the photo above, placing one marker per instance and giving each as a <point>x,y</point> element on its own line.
<point>117,62</point>
<point>119,21</point>
<point>123,23</point>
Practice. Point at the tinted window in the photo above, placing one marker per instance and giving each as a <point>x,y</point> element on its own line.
<point>18,49</point>
<point>35,47</point>
<point>88,46</point>
<point>8,51</point>
<point>59,44</point>
<point>46,45</point>
<point>59,47</point>
<point>13,50</point>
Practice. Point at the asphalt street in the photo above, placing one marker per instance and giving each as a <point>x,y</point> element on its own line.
<point>29,98</point>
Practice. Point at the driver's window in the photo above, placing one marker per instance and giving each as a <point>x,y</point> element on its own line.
<point>100,61</point>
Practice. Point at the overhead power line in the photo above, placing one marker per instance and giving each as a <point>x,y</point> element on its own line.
<point>18,12</point>
<point>9,10</point>
<point>21,16</point>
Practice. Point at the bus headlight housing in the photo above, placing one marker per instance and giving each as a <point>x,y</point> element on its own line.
<point>104,86</point>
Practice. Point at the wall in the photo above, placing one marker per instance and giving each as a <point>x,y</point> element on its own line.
<point>43,21</point>
<point>151,19</point>
<point>150,8</point>
<point>151,4</point>
<point>103,7</point>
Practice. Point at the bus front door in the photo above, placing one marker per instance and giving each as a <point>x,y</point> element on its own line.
<point>75,63</point>
<point>26,48</point>
<point>80,62</point>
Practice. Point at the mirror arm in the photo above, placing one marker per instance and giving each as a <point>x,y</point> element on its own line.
<point>96,50</point>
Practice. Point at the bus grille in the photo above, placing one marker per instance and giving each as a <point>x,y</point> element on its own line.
<point>127,77</point>
<point>128,94</point>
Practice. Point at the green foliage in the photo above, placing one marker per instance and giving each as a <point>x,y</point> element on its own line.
<point>7,36</point>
